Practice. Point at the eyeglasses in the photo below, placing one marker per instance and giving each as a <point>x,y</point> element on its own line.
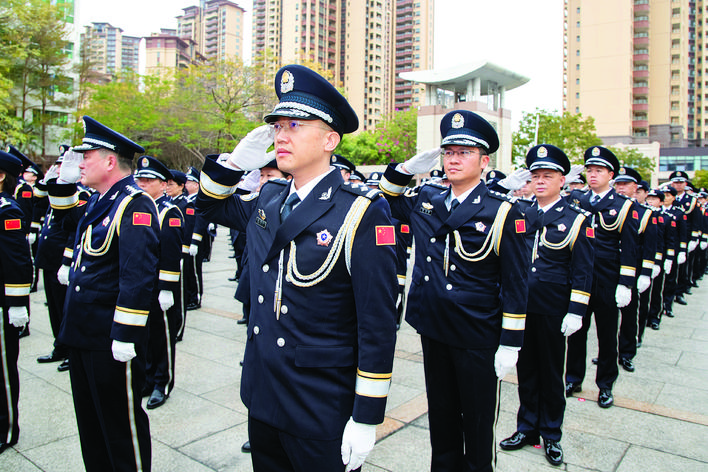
<point>291,126</point>
<point>465,154</point>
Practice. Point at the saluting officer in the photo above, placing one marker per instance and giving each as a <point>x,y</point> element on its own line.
<point>166,312</point>
<point>111,281</point>
<point>559,284</point>
<point>469,251</point>
<point>614,272</point>
<point>15,278</point>
<point>321,333</point>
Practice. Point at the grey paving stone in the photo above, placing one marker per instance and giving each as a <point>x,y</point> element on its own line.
<point>650,460</point>
<point>222,451</point>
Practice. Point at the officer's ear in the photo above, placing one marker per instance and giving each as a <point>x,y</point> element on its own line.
<point>332,139</point>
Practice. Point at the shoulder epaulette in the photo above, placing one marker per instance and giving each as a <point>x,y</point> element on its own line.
<point>361,190</point>
<point>4,202</point>
<point>434,184</point>
<point>502,196</point>
<point>279,182</point>
<point>623,196</point>
<point>577,209</point>
<point>133,190</point>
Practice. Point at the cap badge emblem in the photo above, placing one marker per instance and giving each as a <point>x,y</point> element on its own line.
<point>623,171</point>
<point>542,152</point>
<point>457,121</point>
<point>287,82</point>
<point>144,162</point>
<point>595,151</point>
<point>324,237</point>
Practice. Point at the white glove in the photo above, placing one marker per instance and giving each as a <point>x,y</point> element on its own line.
<point>223,157</point>
<point>52,173</point>
<point>667,266</point>
<point>505,359</point>
<point>692,245</point>
<point>193,249</point>
<point>655,270</point>
<point>516,179</point>
<point>682,257</point>
<point>211,227</point>
<point>571,323</point>
<point>643,283</point>
<point>70,172</point>
<point>251,181</point>
<point>18,316</point>
<point>166,299</point>
<point>357,442</point>
<point>250,152</point>
<point>123,352</point>
<point>704,245</point>
<point>623,296</point>
<point>31,238</point>
<point>63,275</point>
<point>575,170</point>
<point>422,162</point>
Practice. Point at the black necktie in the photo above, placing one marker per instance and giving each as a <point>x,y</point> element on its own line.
<point>595,200</point>
<point>454,204</point>
<point>288,206</point>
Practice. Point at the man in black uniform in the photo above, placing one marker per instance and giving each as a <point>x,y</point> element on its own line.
<point>681,248</point>
<point>111,282</point>
<point>321,333</point>
<point>614,272</point>
<point>469,250</point>
<point>559,284</point>
<point>689,204</point>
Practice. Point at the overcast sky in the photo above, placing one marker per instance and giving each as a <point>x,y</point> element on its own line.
<point>521,35</point>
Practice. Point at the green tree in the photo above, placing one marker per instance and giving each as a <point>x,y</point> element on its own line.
<point>571,132</point>
<point>630,157</point>
<point>700,180</point>
<point>393,140</point>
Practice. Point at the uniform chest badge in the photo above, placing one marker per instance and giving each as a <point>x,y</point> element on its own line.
<point>261,218</point>
<point>561,228</point>
<point>106,221</point>
<point>426,208</point>
<point>479,226</point>
<point>324,237</point>
<point>613,212</point>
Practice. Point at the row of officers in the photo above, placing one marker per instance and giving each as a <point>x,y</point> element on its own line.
<point>322,321</point>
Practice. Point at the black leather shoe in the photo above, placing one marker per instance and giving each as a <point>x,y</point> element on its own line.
<point>680,300</point>
<point>554,453</point>
<point>233,279</point>
<point>669,313</point>
<point>654,325</point>
<point>4,446</point>
<point>517,441</point>
<point>25,332</point>
<point>242,321</point>
<point>194,306</point>
<point>639,343</point>
<point>64,366</point>
<point>605,399</point>
<point>156,399</point>
<point>594,360</point>
<point>694,284</point>
<point>246,447</point>
<point>571,388</point>
<point>53,357</point>
<point>627,364</point>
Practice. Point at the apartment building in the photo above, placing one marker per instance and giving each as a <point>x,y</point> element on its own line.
<point>216,27</point>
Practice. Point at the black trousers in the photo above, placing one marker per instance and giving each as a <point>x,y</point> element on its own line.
<point>192,272</point>
<point>273,450</point>
<point>656,301</point>
<point>604,308</point>
<point>10,388</point>
<point>56,294</point>
<point>113,427</point>
<point>463,406</point>
<point>629,327</point>
<point>670,286</point>
<point>163,328</point>
<point>540,371</point>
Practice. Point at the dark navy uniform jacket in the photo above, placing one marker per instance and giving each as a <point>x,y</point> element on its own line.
<point>690,207</point>
<point>171,236</point>
<point>682,232</point>
<point>647,240</point>
<point>24,195</point>
<point>562,254</point>
<point>322,325</point>
<point>114,265</point>
<point>616,235</point>
<point>15,258</point>
<point>464,261</point>
<point>668,229</point>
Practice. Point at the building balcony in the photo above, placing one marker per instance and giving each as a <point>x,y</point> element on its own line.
<point>641,25</point>
<point>641,7</point>
<point>640,74</point>
<point>640,57</point>
<point>641,41</point>
<point>640,90</point>
<point>640,124</point>
<point>640,107</point>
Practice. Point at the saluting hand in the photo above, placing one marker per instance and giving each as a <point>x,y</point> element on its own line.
<point>250,152</point>
<point>422,162</point>
<point>70,172</point>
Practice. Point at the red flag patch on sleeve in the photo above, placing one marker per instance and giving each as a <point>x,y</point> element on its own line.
<point>590,232</point>
<point>653,220</point>
<point>190,211</point>
<point>673,223</point>
<point>142,219</point>
<point>520,226</point>
<point>405,229</point>
<point>385,236</point>
<point>26,194</point>
<point>175,222</point>
<point>635,215</point>
<point>661,219</point>
<point>13,224</point>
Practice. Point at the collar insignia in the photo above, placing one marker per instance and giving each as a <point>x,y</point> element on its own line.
<point>327,194</point>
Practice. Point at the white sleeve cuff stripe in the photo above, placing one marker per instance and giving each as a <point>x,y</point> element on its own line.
<point>377,388</point>
<point>133,319</point>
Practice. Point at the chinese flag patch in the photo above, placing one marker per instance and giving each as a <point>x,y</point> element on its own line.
<point>635,215</point>
<point>661,219</point>
<point>190,211</point>
<point>653,220</point>
<point>13,224</point>
<point>26,194</point>
<point>520,226</point>
<point>590,232</point>
<point>175,222</point>
<point>673,223</point>
<point>385,236</point>
<point>142,219</point>
<point>405,229</point>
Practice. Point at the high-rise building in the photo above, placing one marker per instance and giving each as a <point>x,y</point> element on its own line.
<point>165,51</point>
<point>636,67</point>
<point>364,45</point>
<point>108,51</point>
<point>217,28</point>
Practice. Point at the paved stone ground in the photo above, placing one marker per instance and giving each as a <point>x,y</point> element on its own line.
<point>659,421</point>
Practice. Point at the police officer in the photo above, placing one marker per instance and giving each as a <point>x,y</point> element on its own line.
<point>175,192</point>
<point>614,272</point>
<point>165,313</point>
<point>16,278</point>
<point>682,237</point>
<point>195,227</point>
<point>469,251</point>
<point>321,336</point>
<point>559,285</point>
<point>345,166</point>
<point>679,181</point>
<point>111,282</point>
